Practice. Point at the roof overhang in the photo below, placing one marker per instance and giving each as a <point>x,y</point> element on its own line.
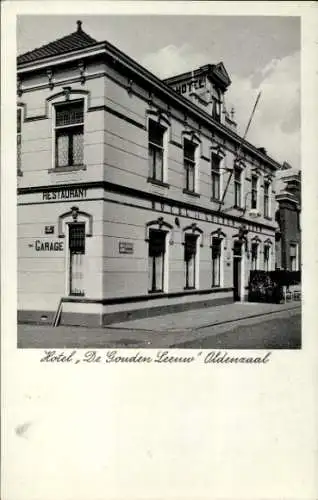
<point>107,49</point>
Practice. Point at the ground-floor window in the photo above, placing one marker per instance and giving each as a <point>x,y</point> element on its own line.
<point>266,258</point>
<point>293,257</point>
<point>190,251</point>
<point>156,260</point>
<point>254,256</point>
<point>216,261</point>
<point>76,260</point>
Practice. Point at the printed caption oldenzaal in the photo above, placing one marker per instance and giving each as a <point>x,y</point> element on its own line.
<point>77,357</point>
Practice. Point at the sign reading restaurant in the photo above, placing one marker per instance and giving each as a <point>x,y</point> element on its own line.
<point>65,194</point>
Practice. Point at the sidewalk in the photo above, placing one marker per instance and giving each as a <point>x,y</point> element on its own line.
<point>156,332</point>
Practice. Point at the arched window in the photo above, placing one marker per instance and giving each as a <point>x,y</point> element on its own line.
<point>157,236</point>
<point>217,240</point>
<point>191,155</point>
<point>192,240</point>
<point>158,125</point>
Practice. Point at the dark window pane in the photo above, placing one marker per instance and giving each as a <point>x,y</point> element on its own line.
<point>77,238</point>
<point>156,133</point>
<point>69,114</point>
<point>189,150</point>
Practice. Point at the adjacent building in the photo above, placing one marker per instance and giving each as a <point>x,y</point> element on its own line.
<point>288,216</point>
<point>136,196</point>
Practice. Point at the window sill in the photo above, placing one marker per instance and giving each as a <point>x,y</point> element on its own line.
<point>217,200</point>
<point>158,292</point>
<point>236,207</point>
<point>77,294</point>
<point>70,168</point>
<point>267,217</point>
<point>191,193</point>
<point>157,182</point>
<point>19,173</point>
<point>189,288</point>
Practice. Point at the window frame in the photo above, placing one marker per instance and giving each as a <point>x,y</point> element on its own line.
<point>154,288</point>
<point>70,133</point>
<point>192,162</point>
<point>254,191</point>
<point>20,120</point>
<point>295,257</point>
<point>218,258</point>
<point>267,208</point>
<point>267,262</point>
<point>238,168</point>
<point>216,174</point>
<point>254,267</point>
<point>194,259</point>
<point>71,253</point>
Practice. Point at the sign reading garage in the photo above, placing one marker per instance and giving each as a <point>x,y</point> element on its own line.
<point>48,246</point>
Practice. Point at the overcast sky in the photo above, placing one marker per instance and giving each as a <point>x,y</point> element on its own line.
<point>259,53</point>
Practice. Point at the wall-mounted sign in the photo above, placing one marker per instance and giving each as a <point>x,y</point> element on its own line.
<point>190,86</point>
<point>48,246</point>
<point>64,194</point>
<point>49,230</point>
<point>126,247</point>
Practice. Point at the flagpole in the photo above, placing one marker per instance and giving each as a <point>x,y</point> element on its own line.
<point>239,151</point>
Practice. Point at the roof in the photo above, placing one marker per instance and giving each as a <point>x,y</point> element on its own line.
<point>76,40</point>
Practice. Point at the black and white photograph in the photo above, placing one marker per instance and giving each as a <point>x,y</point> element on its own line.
<point>159,250</point>
<point>159,182</point>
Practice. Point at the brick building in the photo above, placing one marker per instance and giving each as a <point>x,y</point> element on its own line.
<point>288,244</point>
<point>136,196</point>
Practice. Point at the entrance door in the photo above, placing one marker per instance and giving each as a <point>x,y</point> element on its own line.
<point>76,261</point>
<point>237,261</point>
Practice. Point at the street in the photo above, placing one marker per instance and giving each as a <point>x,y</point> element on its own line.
<point>278,333</point>
<point>237,326</point>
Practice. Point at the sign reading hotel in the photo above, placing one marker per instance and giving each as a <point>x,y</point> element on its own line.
<point>65,194</point>
<point>190,86</point>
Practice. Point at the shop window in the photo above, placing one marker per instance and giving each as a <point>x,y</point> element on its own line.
<point>69,134</point>
<point>266,258</point>
<point>254,191</point>
<point>254,256</point>
<point>156,135</point>
<point>77,255</point>
<point>237,186</point>
<point>19,138</point>
<point>190,252</point>
<point>216,261</point>
<point>189,154</point>
<point>293,257</point>
<point>156,260</point>
<point>216,176</point>
<point>266,199</point>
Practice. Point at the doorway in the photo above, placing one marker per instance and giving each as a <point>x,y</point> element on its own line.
<point>237,270</point>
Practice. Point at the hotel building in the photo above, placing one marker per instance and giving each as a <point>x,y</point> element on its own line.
<point>136,196</point>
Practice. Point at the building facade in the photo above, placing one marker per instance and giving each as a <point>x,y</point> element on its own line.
<point>288,216</point>
<point>136,196</point>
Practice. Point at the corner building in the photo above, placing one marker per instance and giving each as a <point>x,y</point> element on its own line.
<point>136,196</point>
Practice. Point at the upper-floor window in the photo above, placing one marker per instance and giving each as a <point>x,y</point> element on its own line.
<point>69,134</point>
<point>266,198</point>
<point>215,176</point>
<point>216,106</point>
<point>237,186</point>
<point>189,161</point>
<point>156,133</point>
<point>254,191</point>
<point>19,137</point>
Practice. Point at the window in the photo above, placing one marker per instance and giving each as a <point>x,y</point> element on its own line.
<point>190,251</point>
<point>254,256</point>
<point>156,260</point>
<point>266,199</point>
<point>216,261</point>
<point>215,173</point>
<point>266,258</point>
<point>156,150</point>
<point>237,186</point>
<point>189,150</point>
<point>216,106</point>
<point>77,252</point>
<point>19,135</point>
<point>293,257</point>
<point>69,134</point>
<point>254,191</point>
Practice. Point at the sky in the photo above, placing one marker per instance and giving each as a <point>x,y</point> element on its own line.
<point>259,53</point>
